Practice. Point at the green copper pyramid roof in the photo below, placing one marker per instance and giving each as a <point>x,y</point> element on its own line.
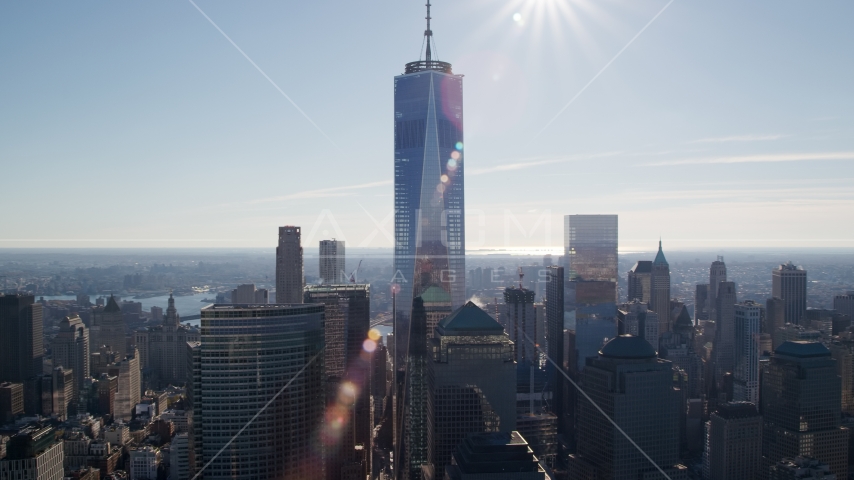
<point>112,306</point>
<point>435,294</point>
<point>659,259</point>
<point>470,317</point>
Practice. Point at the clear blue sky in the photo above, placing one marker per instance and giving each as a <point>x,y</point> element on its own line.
<point>723,124</point>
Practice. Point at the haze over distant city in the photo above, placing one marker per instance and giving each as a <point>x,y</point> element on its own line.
<point>711,125</point>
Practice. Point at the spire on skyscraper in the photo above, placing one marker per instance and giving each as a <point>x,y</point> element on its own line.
<point>428,34</point>
<point>659,258</point>
<point>428,63</point>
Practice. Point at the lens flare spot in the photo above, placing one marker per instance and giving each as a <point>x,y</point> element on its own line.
<point>444,178</point>
<point>369,345</point>
<point>452,164</point>
<point>517,17</point>
<point>440,188</point>
<point>455,155</point>
<point>459,146</point>
<point>374,334</point>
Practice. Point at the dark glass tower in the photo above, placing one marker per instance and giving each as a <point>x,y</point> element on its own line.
<point>428,179</point>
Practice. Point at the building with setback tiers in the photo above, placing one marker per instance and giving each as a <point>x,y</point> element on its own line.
<point>636,389</point>
<point>471,361</point>
<point>246,355</point>
<point>162,348</point>
<point>70,349</point>
<point>494,456</point>
<point>801,410</point>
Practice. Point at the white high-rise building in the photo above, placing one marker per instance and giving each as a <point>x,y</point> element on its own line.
<point>748,317</point>
<point>332,268</point>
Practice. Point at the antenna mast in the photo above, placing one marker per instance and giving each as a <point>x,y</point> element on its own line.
<point>428,33</point>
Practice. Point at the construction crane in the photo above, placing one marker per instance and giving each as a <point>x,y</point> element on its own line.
<point>355,272</point>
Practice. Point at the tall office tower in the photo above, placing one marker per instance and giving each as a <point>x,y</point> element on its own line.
<point>247,355</point>
<point>701,303</point>
<point>724,347</point>
<point>520,322</point>
<point>801,412</point>
<point>429,202</point>
<point>21,343</point>
<point>494,456</point>
<point>748,318</point>
<point>554,340</point>
<point>289,271</point>
<point>844,304</point>
<point>638,320</point>
<point>595,316</point>
<point>162,348</point>
<point>635,389</point>
<point>347,321</point>
<point>70,349</point>
<point>717,274</point>
<point>109,328</point>
<point>660,298</point>
<point>590,247</point>
<point>470,363</point>
<point>332,268</point>
<point>247,295</point>
<point>735,445</point>
<point>640,282</point>
<point>790,283</point>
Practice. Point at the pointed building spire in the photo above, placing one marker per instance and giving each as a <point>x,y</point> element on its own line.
<point>428,34</point>
<point>659,258</point>
<point>172,317</point>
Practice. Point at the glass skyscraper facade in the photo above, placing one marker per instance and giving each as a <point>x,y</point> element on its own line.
<point>428,182</point>
<point>590,247</point>
<point>247,354</point>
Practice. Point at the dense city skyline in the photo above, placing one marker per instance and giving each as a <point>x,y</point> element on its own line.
<point>523,327</point>
<point>715,115</point>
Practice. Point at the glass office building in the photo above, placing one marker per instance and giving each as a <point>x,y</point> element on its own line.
<point>428,182</point>
<point>590,247</point>
<point>246,355</point>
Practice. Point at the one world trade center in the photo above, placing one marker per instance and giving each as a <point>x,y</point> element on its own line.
<point>428,181</point>
<point>429,228</point>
